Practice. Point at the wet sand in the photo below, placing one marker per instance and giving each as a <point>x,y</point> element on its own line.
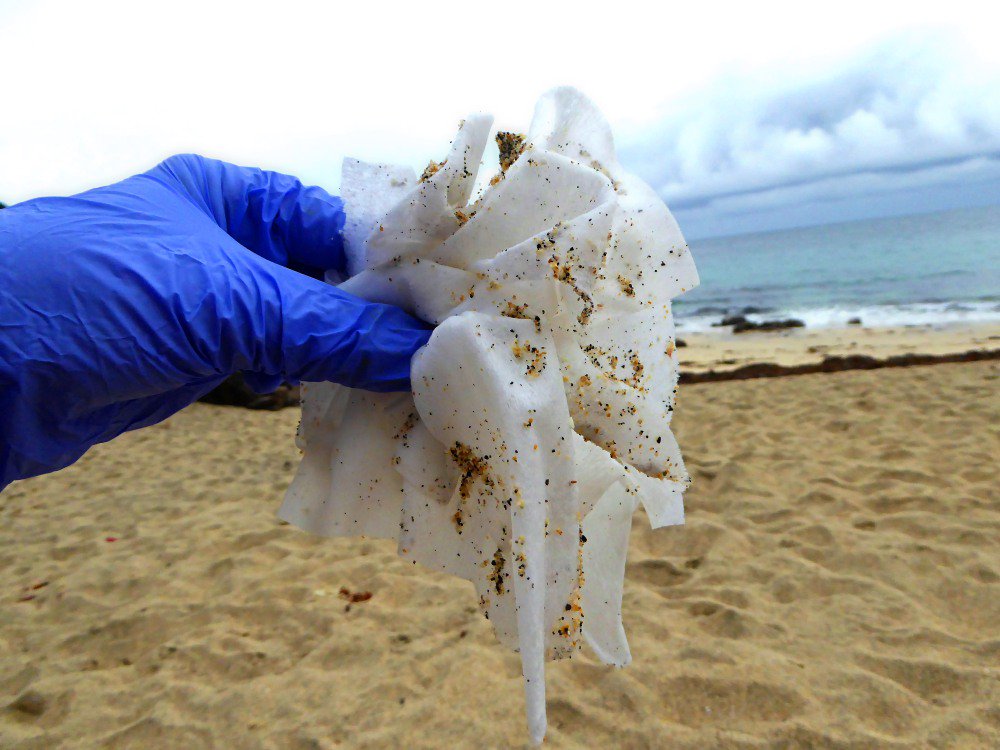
<point>837,585</point>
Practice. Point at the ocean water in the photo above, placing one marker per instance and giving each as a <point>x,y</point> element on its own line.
<point>935,268</point>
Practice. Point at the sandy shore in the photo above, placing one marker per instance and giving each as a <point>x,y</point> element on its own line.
<point>721,350</point>
<point>837,586</point>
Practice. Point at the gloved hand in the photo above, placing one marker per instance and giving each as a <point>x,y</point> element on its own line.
<point>122,305</point>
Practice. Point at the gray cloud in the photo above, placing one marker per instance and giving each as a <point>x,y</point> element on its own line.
<point>911,116</point>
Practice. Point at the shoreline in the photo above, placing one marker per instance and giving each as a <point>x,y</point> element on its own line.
<point>725,352</point>
<point>837,364</point>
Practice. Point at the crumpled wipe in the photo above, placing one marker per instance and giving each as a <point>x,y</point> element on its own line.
<point>540,412</point>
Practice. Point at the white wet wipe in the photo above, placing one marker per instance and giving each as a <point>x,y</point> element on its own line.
<point>540,411</point>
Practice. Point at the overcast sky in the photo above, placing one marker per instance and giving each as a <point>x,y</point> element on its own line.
<point>772,115</point>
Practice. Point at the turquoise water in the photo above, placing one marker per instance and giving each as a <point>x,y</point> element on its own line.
<point>933,268</point>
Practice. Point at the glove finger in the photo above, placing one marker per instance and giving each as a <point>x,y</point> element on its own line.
<point>332,335</point>
<point>283,326</point>
<point>271,214</point>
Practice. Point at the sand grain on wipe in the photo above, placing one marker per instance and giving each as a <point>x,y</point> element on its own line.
<point>837,586</point>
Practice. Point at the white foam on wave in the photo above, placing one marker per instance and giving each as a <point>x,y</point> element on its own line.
<point>873,316</point>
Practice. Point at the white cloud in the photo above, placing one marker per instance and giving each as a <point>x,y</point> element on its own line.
<point>967,183</point>
<point>708,99</point>
<point>909,103</point>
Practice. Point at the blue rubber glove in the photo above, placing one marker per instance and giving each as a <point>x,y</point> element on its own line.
<point>124,304</point>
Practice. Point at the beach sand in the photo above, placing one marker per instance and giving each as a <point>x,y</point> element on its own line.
<point>837,585</point>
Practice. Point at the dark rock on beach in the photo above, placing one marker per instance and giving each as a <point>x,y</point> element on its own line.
<point>854,322</point>
<point>768,325</point>
<point>731,320</point>
<point>741,323</point>
<point>235,392</point>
